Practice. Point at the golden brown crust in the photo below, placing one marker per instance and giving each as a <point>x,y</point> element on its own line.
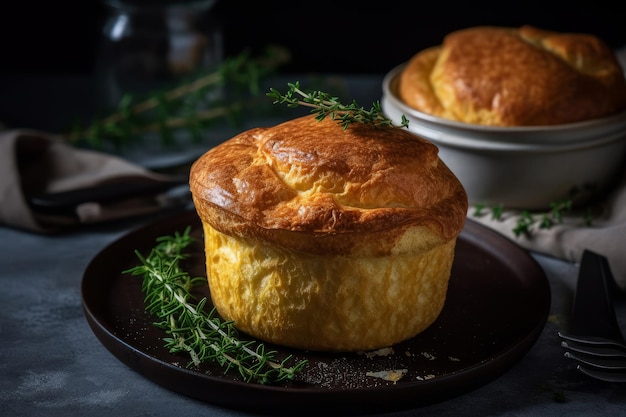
<point>515,77</point>
<point>312,186</point>
<point>322,238</point>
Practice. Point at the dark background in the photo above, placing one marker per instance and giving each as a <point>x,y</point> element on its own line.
<point>326,37</point>
<point>49,50</point>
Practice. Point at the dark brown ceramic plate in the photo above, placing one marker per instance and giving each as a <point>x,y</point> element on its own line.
<point>498,302</point>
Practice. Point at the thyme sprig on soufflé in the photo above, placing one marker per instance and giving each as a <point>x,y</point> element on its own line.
<point>324,104</point>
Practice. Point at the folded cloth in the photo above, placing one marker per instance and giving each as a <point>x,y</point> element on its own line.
<point>605,235</point>
<point>34,163</point>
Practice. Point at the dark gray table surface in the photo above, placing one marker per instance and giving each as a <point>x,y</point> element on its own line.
<point>52,364</point>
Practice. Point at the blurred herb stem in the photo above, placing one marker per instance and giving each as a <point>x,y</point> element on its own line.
<point>194,105</point>
<point>527,222</point>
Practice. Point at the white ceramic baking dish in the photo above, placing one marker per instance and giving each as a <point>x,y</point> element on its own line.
<point>519,167</point>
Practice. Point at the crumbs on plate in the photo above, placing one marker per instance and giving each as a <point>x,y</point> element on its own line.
<point>392,375</point>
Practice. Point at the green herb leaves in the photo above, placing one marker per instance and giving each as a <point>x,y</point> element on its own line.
<point>193,105</point>
<point>323,104</point>
<point>527,222</point>
<point>192,330</point>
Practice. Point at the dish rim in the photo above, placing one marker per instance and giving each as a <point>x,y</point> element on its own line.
<point>616,121</point>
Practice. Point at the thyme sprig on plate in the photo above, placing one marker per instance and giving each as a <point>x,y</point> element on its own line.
<point>192,330</point>
<point>324,104</point>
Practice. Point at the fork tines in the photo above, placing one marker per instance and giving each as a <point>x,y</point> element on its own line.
<point>600,358</point>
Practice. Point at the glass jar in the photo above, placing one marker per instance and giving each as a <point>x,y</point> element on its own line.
<point>153,44</point>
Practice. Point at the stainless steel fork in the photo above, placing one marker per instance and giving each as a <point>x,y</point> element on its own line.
<point>595,340</point>
<point>596,346</point>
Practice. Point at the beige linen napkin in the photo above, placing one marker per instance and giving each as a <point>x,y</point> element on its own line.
<point>567,240</point>
<point>34,162</point>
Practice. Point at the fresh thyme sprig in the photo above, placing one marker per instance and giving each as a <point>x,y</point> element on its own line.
<point>527,220</point>
<point>201,335</point>
<point>193,105</point>
<point>323,104</point>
